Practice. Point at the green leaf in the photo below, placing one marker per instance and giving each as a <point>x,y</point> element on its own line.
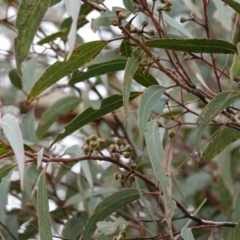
<point>44,222</point>
<point>53,37</point>
<point>5,169</point>
<point>4,149</point>
<point>54,2</point>
<point>108,105</point>
<point>29,128</point>
<point>126,48</point>
<point>212,109</point>
<point>29,16</point>
<point>131,68</point>
<point>237,232</point>
<point>151,96</point>
<point>218,143</point>
<point>194,45</point>
<point>106,18</point>
<point>172,22</point>
<point>98,69</point>
<point>233,4</point>
<point>235,68</point>
<point>156,154</point>
<point>15,79</point>
<point>129,5</point>
<point>106,207</point>
<point>145,80</point>
<point>80,56</point>
<point>51,115</point>
<point>13,134</point>
<point>186,234</point>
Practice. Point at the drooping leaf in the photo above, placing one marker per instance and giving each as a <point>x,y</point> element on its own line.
<point>13,134</point>
<point>44,222</point>
<point>28,127</point>
<point>106,18</point>
<point>28,75</point>
<point>15,79</point>
<point>145,80</point>
<point>212,109</point>
<point>131,68</point>
<point>80,56</point>
<point>156,154</point>
<point>5,169</point>
<point>151,96</point>
<point>106,207</point>
<point>235,68</point>
<point>108,105</point>
<point>186,234</point>
<point>98,69</point>
<point>218,143</point>
<point>61,107</point>
<point>29,16</point>
<point>233,4</point>
<point>194,45</point>
<point>73,8</point>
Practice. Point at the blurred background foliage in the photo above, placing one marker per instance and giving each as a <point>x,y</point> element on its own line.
<point>75,189</point>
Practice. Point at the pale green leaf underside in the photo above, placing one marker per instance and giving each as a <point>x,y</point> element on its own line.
<point>150,98</point>
<point>156,154</point>
<point>44,223</point>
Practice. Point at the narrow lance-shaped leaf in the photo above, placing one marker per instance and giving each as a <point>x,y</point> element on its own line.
<point>61,107</point>
<point>106,207</point>
<point>216,106</point>
<point>151,96</point>
<point>88,115</point>
<point>98,69</point>
<point>194,45</point>
<point>44,223</point>
<point>80,56</point>
<point>233,4</point>
<point>218,143</point>
<point>156,154</point>
<point>131,68</point>
<point>29,16</point>
<point>13,134</point>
